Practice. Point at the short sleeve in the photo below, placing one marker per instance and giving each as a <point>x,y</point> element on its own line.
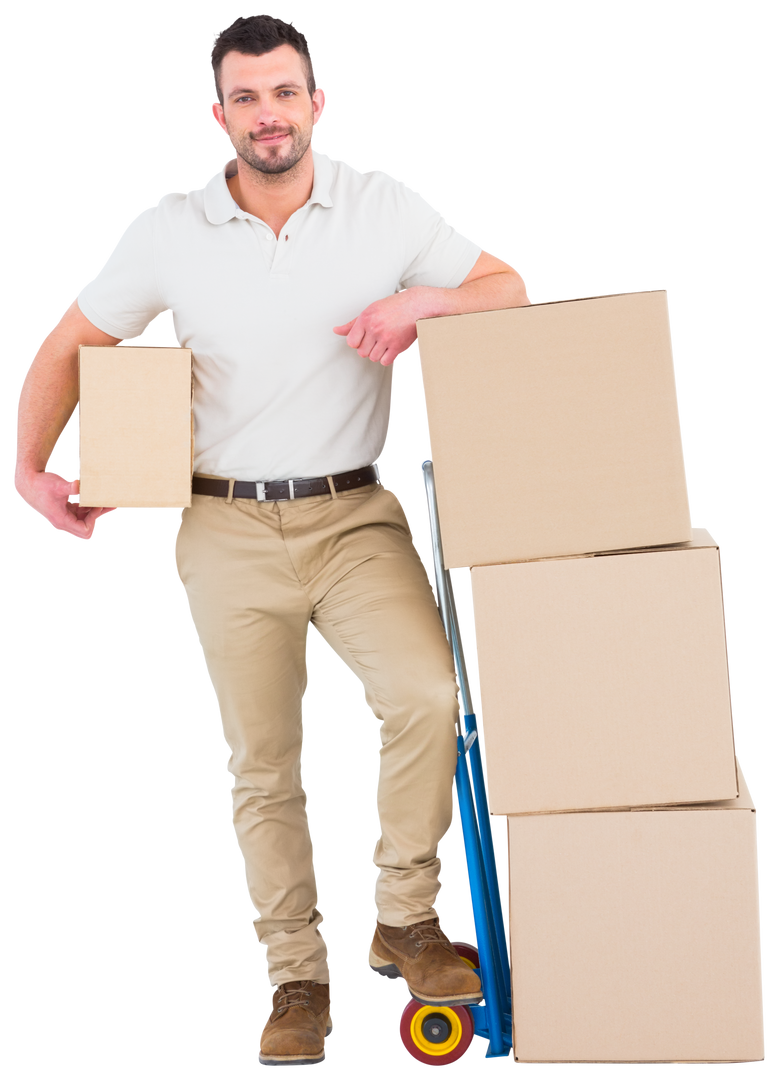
<point>434,253</point>
<point>124,297</point>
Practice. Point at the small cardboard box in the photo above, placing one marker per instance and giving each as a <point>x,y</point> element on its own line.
<point>135,414</point>
<point>604,680</point>
<point>634,935</point>
<point>554,429</point>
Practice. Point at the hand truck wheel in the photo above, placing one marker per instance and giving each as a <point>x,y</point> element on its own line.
<point>469,953</point>
<point>436,1034</point>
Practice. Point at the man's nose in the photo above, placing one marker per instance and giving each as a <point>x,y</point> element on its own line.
<point>267,113</point>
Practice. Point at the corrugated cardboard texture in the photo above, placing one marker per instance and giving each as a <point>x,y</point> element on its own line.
<point>135,411</point>
<point>604,681</point>
<point>634,936</point>
<point>554,429</point>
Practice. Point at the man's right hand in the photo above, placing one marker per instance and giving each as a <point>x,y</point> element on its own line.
<point>49,396</point>
<point>48,494</point>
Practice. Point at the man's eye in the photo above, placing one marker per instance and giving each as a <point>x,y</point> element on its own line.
<point>284,92</point>
<point>247,98</point>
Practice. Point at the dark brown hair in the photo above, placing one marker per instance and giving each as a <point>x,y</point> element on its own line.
<point>256,36</point>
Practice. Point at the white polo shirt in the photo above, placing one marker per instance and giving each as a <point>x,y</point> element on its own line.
<point>278,395</point>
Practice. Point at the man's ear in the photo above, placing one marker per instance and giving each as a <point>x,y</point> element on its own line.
<point>318,104</point>
<point>219,113</point>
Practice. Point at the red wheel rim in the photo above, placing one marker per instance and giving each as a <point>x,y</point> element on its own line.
<point>415,1043</point>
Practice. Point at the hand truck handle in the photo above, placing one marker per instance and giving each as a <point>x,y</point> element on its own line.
<point>443,581</point>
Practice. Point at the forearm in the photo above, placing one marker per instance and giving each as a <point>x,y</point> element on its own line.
<point>504,289</point>
<point>49,393</point>
<point>48,398</point>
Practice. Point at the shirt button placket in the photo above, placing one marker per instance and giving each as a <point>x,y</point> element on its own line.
<point>269,240</point>
<point>278,251</point>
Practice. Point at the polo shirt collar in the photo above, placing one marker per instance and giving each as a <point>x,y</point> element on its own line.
<point>221,207</point>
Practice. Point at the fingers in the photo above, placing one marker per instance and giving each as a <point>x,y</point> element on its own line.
<point>344,330</point>
<point>80,520</point>
<point>69,521</point>
<point>357,336</point>
<point>68,525</point>
<point>49,493</point>
<point>368,342</point>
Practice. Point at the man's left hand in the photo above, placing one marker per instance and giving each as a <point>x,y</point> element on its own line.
<point>385,328</point>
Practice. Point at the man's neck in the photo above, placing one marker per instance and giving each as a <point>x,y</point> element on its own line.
<point>273,197</point>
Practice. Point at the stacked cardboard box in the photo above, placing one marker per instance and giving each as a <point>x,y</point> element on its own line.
<point>605,695</point>
<point>634,935</point>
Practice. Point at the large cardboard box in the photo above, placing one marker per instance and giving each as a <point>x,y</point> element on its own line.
<point>135,415</point>
<point>634,935</point>
<point>604,680</point>
<point>554,429</point>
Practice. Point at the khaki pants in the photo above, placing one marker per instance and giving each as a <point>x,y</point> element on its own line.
<point>256,574</point>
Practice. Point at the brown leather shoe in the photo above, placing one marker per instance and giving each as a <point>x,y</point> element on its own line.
<point>295,1033</point>
<point>423,955</point>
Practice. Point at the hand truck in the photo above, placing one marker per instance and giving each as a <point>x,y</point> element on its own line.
<point>438,1035</point>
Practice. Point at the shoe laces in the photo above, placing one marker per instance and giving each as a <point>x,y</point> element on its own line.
<point>296,995</point>
<point>428,934</point>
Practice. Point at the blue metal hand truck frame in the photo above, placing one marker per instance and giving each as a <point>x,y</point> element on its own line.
<point>492,1020</point>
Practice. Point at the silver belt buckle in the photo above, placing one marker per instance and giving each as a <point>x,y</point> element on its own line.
<point>260,490</point>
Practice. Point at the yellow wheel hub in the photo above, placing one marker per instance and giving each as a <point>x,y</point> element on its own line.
<point>437,1049</point>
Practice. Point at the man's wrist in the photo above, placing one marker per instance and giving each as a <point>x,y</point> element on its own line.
<point>429,302</point>
<point>32,460</point>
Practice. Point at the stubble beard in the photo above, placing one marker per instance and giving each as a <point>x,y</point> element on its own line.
<point>277,162</point>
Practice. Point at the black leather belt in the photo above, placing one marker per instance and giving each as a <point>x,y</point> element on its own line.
<point>279,490</point>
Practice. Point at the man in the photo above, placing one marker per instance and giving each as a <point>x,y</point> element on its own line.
<point>257,268</point>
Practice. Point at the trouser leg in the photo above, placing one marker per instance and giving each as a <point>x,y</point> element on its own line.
<point>381,618</point>
<point>251,616</point>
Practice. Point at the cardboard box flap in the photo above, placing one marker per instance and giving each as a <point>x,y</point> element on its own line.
<point>700,539</point>
<point>743,800</point>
